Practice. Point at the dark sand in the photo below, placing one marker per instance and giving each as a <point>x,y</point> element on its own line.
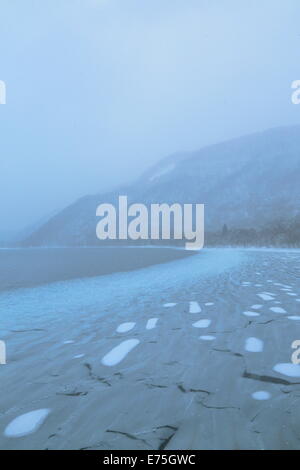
<point>173,390</point>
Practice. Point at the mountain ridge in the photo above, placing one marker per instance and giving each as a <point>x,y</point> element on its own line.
<point>245,183</point>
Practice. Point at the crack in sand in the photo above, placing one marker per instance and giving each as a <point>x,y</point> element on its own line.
<point>96,377</point>
<point>267,378</point>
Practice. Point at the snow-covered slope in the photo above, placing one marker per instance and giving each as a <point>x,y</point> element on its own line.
<point>245,183</point>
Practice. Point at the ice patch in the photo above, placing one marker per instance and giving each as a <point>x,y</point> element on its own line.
<point>202,323</point>
<point>70,341</point>
<point>170,304</point>
<point>294,317</point>
<point>117,354</point>
<point>151,323</point>
<point>265,296</point>
<point>256,306</point>
<point>291,294</point>
<point>195,307</point>
<point>251,314</point>
<point>277,310</point>
<point>78,356</point>
<point>124,327</point>
<point>254,345</point>
<point>261,395</point>
<point>289,369</point>
<point>297,300</point>
<point>207,338</point>
<point>208,304</point>
<point>27,423</point>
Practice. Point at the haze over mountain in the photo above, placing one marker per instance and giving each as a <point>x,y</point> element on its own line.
<point>245,183</point>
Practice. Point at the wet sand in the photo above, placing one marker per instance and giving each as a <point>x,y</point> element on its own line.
<point>193,354</point>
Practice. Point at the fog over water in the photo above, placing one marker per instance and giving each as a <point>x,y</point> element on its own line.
<point>99,90</point>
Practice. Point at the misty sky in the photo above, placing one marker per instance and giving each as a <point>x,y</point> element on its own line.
<point>99,90</point>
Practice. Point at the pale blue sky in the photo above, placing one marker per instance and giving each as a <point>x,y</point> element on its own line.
<point>98,90</point>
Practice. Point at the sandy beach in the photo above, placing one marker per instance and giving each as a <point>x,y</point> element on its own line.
<point>190,354</point>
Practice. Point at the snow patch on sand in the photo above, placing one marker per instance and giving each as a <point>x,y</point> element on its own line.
<point>151,323</point>
<point>254,345</point>
<point>207,338</point>
<point>277,310</point>
<point>117,354</point>
<point>251,314</point>
<point>265,296</point>
<point>195,307</point>
<point>124,327</point>
<point>202,323</point>
<point>261,395</point>
<point>27,423</point>
<point>289,369</point>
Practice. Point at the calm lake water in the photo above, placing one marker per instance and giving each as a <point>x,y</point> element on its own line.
<point>29,267</point>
